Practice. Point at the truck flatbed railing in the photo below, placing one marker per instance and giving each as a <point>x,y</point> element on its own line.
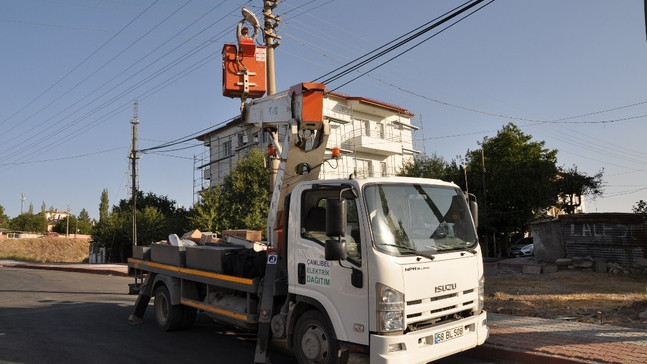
<point>249,285</point>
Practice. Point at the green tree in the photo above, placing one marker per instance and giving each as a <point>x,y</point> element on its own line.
<point>84,222</point>
<point>4,219</point>
<point>150,221</point>
<point>572,186</point>
<point>28,222</point>
<point>62,226</point>
<point>104,205</point>
<point>31,208</point>
<point>640,207</point>
<point>519,175</point>
<point>157,217</point>
<point>434,166</point>
<point>206,215</point>
<point>245,193</point>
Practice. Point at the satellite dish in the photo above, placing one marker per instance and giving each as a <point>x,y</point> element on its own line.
<point>250,17</point>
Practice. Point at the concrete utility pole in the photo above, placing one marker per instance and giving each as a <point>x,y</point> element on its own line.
<point>133,158</point>
<point>272,40</point>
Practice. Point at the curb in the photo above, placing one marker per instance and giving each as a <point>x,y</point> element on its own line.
<point>69,268</point>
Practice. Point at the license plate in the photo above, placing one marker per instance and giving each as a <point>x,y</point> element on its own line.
<point>443,336</point>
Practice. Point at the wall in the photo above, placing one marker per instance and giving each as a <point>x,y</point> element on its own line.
<point>614,237</point>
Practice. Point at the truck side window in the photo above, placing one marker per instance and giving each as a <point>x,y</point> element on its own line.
<point>353,237</point>
<point>313,224</point>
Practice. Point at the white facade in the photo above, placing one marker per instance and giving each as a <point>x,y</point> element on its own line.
<point>375,138</point>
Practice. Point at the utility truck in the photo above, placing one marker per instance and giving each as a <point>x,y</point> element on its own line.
<point>388,267</point>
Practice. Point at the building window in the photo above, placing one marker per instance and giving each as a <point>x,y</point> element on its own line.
<point>383,169</point>
<point>381,126</point>
<point>366,126</point>
<point>226,148</point>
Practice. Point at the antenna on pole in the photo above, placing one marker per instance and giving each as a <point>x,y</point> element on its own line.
<point>133,158</point>
<point>22,202</point>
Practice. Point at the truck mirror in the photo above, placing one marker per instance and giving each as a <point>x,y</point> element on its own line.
<point>336,228</point>
<point>474,208</point>
<point>335,217</point>
<point>336,249</point>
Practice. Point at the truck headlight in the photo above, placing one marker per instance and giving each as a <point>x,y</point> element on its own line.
<point>390,309</point>
<point>481,298</point>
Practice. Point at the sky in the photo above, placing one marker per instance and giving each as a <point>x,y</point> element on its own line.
<point>570,73</point>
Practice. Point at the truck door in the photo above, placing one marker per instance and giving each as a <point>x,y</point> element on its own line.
<point>340,287</point>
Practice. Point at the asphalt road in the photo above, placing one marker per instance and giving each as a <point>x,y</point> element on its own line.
<point>54,317</point>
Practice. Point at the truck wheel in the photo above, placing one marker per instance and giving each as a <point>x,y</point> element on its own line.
<point>169,317</point>
<point>314,340</point>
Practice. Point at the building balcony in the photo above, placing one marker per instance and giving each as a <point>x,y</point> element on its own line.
<point>363,143</point>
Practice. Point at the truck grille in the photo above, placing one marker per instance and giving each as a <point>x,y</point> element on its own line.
<point>430,311</point>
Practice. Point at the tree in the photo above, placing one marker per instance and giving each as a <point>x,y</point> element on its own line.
<point>157,217</point>
<point>518,180</point>
<point>434,167</point>
<point>84,222</point>
<point>640,207</point>
<point>66,225</point>
<point>31,208</point>
<point>28,222</point>
<point>245,193</point>
<point>4,219</point>
<point>206,215</point>
<point>573,185</point>
<point>104,205</point>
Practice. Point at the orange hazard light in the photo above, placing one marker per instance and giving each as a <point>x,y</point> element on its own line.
<point>243,70</point>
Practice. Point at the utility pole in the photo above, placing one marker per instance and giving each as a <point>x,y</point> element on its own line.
<point>272,40</point>
<point>67,228</point>
<point>133,159</point>
<point>485,216</point>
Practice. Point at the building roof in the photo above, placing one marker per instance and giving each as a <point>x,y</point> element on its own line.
<point>366,100</point>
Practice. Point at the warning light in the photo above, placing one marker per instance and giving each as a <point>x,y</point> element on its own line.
<point>271,151</point>
<point>336,153</point>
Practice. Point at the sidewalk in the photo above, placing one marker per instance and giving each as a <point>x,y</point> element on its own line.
<point>110,269</point>
<point>538,340</point>
<point>527,340</point>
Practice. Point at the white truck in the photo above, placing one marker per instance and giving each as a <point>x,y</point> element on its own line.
<point>389,267</point>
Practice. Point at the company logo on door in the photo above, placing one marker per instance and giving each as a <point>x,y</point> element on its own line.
<point>318,272</point>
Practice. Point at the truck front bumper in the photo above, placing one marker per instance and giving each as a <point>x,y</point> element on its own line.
<point>431,344</point>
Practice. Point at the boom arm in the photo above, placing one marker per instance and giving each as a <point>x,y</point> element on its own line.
<point>301,152</point>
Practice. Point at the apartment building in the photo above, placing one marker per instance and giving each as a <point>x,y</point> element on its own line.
<point>376,139</point>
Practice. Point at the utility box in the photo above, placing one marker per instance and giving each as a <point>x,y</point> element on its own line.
<point>243,70</point>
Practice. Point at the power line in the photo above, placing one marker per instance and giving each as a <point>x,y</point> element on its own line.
<point>140,83</point>
<point>80,64</point>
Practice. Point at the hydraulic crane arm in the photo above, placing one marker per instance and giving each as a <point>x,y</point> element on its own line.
<point>300,152</point>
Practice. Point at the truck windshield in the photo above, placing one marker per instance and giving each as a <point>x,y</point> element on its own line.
<point>407,219</point>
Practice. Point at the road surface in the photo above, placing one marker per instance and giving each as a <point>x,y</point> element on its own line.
<point>54,317</point>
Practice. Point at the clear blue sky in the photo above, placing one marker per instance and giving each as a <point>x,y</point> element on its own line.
<point>570,73</point>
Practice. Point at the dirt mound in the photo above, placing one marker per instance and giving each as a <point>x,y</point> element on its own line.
<point>46,250</point>
<point>583,296</point>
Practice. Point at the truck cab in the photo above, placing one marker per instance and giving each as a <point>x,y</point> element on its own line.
<point>399,269</point>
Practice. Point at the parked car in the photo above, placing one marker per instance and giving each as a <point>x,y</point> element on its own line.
<point>521,248</point>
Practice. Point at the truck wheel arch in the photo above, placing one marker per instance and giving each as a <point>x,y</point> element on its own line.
<point>172,284</point>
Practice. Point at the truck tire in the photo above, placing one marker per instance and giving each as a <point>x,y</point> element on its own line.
<point>169,317</point>
<point>314,341</point>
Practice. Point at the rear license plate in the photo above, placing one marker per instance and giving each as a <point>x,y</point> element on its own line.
<point>443,336</point>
